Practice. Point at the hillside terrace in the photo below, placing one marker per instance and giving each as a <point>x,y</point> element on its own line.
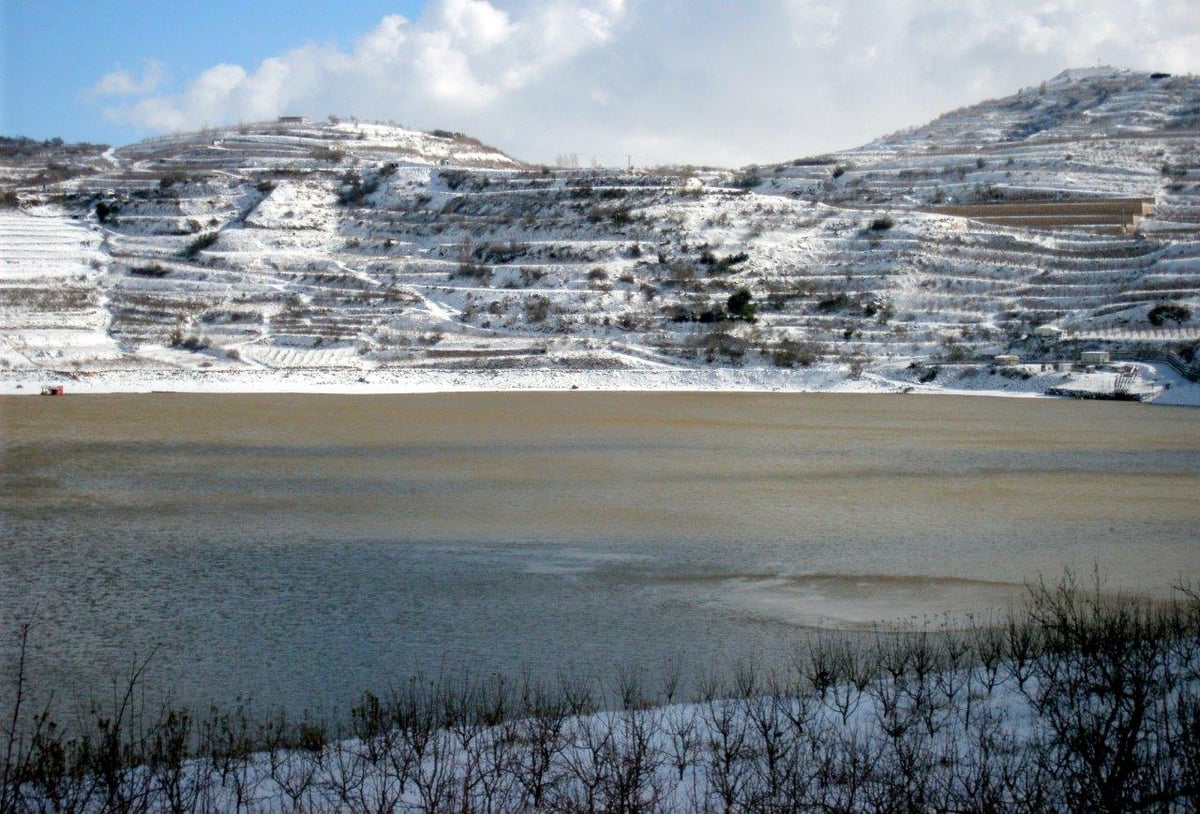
<point>1115,215</point>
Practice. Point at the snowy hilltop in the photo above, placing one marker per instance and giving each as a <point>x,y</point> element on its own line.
<point>987,250</point>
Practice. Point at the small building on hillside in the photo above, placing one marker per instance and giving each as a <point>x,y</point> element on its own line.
<point>1007,360</point>
<point>1048,331</point>
<point>1094,357</point>
<point>295,120</point>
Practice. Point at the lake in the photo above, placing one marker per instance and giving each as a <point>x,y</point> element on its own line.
<point>296,550</point>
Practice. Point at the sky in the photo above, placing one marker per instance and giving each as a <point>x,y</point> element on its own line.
<point>705,82</point>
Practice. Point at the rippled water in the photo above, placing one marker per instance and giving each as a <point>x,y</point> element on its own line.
<point>300,549</point>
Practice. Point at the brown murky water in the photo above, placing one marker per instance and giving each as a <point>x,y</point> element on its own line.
<point>298,549</point>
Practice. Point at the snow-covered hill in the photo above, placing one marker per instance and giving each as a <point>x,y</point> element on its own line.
<point>364,250</point>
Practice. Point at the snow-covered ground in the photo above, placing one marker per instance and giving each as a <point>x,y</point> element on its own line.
<point>1160,383</point>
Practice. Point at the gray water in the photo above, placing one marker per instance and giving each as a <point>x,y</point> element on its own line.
<point>297,550</point>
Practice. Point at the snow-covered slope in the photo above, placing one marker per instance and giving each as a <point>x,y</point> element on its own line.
<point>53,306</point>
<point>363,248</point>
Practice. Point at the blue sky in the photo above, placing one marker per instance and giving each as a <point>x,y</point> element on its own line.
<point>666,81</point>
<point>55,51</point>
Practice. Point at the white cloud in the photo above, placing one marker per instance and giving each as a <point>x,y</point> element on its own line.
<point>124,83</point>
<point>475,21</point>
<point>443,71</point>
<point>701,81</point>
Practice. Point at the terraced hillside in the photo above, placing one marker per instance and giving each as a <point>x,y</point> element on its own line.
<point>356,247</point>
<point>30,164</point>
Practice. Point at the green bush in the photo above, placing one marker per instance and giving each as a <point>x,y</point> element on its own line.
<point>1178,314</point>
<point>616,215</point>
<point>740,305</point>
<point>155,270</point>
<point>500,253</point>
<point>747,178</point>
<point>200,244</point>
<point>328,155</point>
<point>172,178</point>
<point>474,271</point>
<point>537,308</point>
<point>107,212</point>
<point>836,302</point>
<point>720,265</point>
<point>792,352</point>
<point>453,179</point>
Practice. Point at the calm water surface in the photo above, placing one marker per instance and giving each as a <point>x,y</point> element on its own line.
<point>296,550</point>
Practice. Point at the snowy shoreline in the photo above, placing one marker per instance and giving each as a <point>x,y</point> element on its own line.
<point>974,380</point>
